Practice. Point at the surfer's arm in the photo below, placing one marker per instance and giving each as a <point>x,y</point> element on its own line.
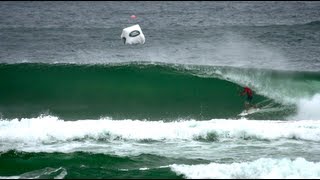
<point>242,93</point>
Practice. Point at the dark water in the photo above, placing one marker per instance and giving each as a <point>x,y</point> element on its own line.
<point>77,103</point>
<point>92,165</point>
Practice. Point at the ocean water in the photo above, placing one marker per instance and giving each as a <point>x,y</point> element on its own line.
<point>75,102</point>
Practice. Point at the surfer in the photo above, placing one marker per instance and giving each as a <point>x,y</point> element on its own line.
<point>248,101</point>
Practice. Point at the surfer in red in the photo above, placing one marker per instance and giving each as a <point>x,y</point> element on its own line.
<point>247,91</point>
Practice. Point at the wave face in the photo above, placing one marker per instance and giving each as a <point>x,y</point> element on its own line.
<point>77,165</point>
<point>135,91</point>
<point>147,91</point>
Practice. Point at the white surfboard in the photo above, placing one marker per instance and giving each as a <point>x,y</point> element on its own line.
<point>249,111</point>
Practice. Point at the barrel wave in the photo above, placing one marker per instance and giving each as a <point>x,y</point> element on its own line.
<point>136,90</point>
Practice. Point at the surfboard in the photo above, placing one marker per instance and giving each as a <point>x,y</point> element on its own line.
<point>249,111</point>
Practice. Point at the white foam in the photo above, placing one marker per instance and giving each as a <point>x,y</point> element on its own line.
<point>144,169</point>
<point>36,174</point>
<point>308,108</point>
<point>9,177</point>
<point>123,169</point>
<point>49,129</point>
<point>259,169</point>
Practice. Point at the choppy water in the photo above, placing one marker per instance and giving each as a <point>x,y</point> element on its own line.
<point>77,103</point>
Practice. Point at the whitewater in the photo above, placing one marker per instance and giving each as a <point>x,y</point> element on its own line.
<point>231,140</point>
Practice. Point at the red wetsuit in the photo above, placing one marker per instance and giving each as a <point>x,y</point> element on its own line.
<point>247,91</point>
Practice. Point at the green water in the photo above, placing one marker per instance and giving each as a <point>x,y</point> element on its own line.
<point>88,165</point>
<point>135,91</point>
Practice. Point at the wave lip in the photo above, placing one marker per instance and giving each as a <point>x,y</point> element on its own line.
<point>259,169</point>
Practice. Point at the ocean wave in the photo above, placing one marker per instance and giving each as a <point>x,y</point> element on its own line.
<point>45,173</point>
<point>120,91</point>
<point>48,129</point>
<point>258,169</point>
<point>146,90</point>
